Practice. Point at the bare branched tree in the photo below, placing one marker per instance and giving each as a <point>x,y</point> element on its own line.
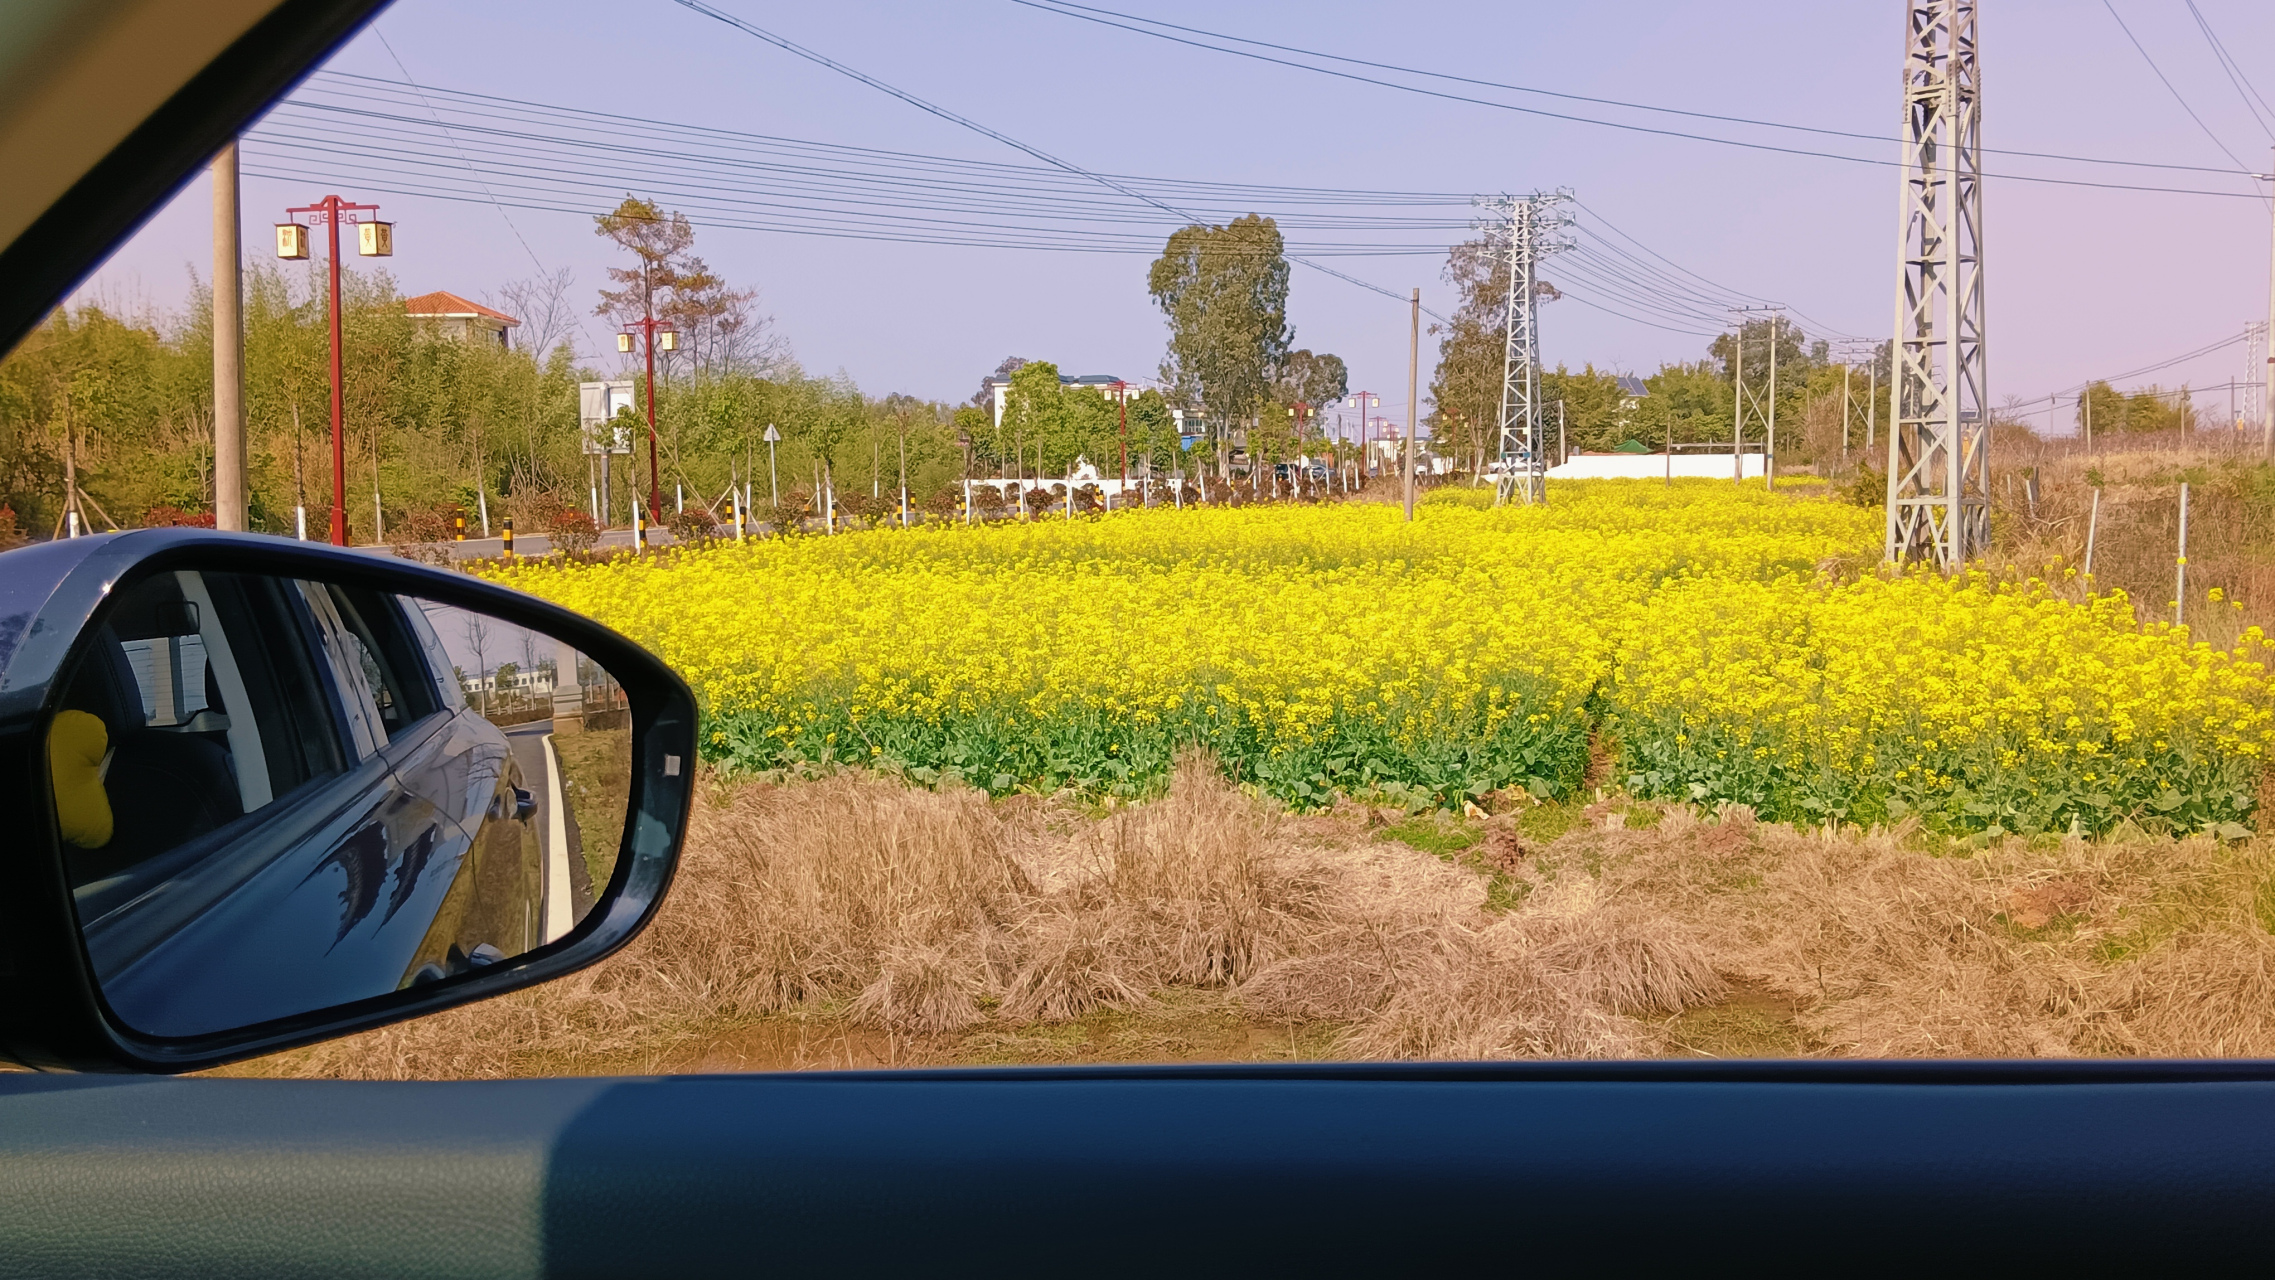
<point>542,305</point>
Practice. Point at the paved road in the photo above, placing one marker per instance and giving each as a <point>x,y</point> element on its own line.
<point>559,848</point>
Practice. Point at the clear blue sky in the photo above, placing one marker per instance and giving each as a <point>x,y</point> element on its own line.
<point>2083,282</point>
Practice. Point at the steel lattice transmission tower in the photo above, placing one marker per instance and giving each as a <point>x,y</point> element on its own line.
<point>1526,230</point>
<point>1939,429</point>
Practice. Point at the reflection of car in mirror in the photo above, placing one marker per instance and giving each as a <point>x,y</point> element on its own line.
<point>275,797</point>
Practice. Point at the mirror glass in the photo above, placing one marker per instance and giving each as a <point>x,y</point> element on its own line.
<point>279,795</point>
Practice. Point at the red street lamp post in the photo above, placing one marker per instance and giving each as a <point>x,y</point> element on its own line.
<point>656,332</point>
<point>374,239</point>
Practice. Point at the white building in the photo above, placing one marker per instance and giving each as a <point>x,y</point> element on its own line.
<point>1698,464</point>
<point>536,683</point>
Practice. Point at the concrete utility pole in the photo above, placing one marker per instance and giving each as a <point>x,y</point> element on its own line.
<point>228,346</point>
<point>1871,403</point>
<point>1846,408</point>
<point>1413,403</point>
<point>2267,388</point>
<point>1738,404</point>
<point>1413,396</point>
<point>1939,461</point>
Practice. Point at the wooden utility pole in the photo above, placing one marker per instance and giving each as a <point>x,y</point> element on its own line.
<point>1413,392</point>
<point>228,346</point>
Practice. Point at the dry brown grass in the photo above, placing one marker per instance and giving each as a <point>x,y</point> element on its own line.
<point>913,926</point>
<point>2231,519</point>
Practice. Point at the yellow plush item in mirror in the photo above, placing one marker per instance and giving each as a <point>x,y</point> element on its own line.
<point>75,746</point>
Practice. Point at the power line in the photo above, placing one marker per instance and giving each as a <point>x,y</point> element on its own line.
<point>2252,102</point>
<point>546,155</point>
<point>1597,306</point>
<point>376,89</point>
<point>2157,367</point>
<point>1721,294</point>
<point>2136,40</point>
<point>1065,8</point>
<point>556,202</point>
<point>407,79</point>
<point>818,59</point>
<point>699,175</point>
<point>542,157</point>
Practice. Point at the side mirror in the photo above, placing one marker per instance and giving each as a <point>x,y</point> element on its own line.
<point>271,793</point>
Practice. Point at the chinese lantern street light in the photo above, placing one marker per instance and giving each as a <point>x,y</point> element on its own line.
<point>659,334</point>
<point>374,239</point>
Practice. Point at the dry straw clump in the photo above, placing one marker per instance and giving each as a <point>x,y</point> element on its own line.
<point>940,920</point>
<point>2133,946</point>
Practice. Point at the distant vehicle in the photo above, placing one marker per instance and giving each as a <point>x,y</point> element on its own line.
<point>1293,471</point>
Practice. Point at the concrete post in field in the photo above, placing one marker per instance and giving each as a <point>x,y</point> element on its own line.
<point>2180,565</point>
<point>568,693</point>
<point>1413,396</point>
<point>2092,527</point>
<point>228,346</point>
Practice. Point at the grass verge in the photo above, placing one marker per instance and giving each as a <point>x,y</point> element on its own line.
<point>854,921</point>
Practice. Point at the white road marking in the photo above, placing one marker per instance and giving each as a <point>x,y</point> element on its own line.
<point>559,918</point>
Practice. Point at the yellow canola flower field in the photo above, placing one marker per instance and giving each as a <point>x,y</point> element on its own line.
<point>1337,649</point>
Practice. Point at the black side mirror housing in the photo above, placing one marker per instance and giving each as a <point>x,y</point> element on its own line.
<point>93,977</point>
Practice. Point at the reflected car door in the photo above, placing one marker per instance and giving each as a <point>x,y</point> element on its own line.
<point>491,902</point>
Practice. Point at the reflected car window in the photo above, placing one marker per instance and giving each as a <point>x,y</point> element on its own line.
<point>185,733</point>
<point>388,654</point>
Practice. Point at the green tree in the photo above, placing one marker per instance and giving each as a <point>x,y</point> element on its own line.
<point>659,243</point>
<point>1224,291</point>
<point>433,424</point>
<point>1465,387</point>
<point>1034,417</point>
<point>1692,400</point>
<point>1595,416</point>
<point>1274,439</point>
<point>1090,427</point>
<point>1153,431</point>
<point>2154,409</point>
<point>1307,379</point>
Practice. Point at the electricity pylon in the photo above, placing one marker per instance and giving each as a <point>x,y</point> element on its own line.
<point>1745,397</point>
<point>1860,405</point>
<point>1939,462</point>
<point>1526,233</point>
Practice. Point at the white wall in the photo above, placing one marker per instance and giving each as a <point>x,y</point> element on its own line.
<point>1652,466</point>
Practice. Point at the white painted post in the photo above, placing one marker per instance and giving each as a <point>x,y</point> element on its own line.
<point>2092,526</point>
